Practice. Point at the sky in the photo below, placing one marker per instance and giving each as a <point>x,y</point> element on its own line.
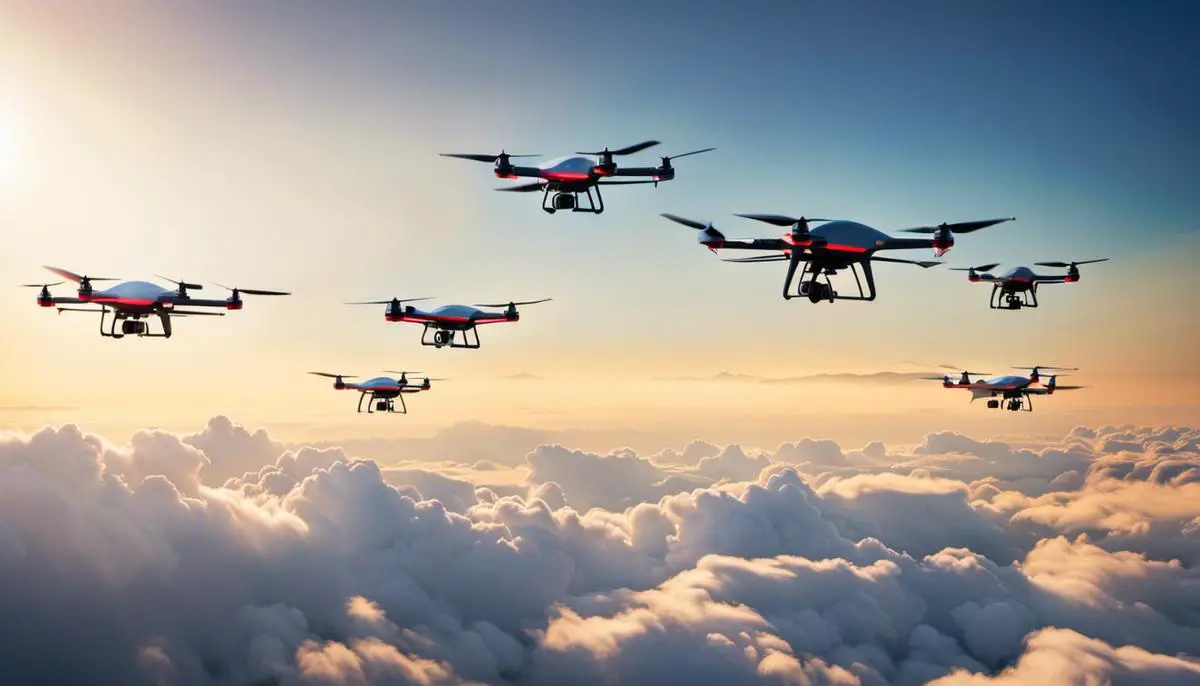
<point>296,147</point>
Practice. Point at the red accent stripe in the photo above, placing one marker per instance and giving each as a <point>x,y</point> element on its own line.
<point>567,176</point>
<point>130,302</point>
<point>837,247</point>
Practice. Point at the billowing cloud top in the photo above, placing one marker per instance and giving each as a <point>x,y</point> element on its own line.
<point>221,558</point>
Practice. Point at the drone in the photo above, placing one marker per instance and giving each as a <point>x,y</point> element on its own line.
<point>131,302</point>
<point>1018,287</point>
<point>1015,390</point>
<point>569,177</point>
<point>382,391</point>
<point>827,249</point>
<point>447,321</point>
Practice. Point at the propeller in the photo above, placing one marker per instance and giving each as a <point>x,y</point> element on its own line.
<point>1046,366</point>
<point>334,376</point>
<point>962,376</point>
<point>980,268</point>
<point>628,150</point>
<point>943,234</point>
<point>85,282</point>
<point>389,302</point>
<point>690,223</point>
<point>666,160</point>
<point>709,235</point>
<point>247,291</point>
<point>513,304</point>
<point>782,220</point>
<point>1069,265</point>
<point>800,234</point>
<point>183,285</point>
<point>959,227</point>
<point>41,285</point>
<point>484,158</point>
<point>395,371</point>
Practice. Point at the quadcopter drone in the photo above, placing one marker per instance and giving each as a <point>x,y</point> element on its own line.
<point>1018,287</point>
<point>569,177</point>
<point>1014,390</point>
<point>827,249</point>
<point>447,321</point>
<point>380,392</point>
<point>132,301</point>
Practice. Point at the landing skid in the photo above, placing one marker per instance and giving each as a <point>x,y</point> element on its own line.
<point>389,404</point>
<point>448,338</point>
<point>812,287</point>
<point>1002,299</point>
<point>595,205</point>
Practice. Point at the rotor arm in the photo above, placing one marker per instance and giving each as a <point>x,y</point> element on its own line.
<point>643,171</point>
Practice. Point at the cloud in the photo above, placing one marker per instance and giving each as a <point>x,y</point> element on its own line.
<point>881,378</point>
<point>965,561</point>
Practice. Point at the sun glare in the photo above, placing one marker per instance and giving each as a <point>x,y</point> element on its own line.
<point>9,143</point>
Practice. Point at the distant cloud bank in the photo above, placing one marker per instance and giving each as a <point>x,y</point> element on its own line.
<point>221,557</point>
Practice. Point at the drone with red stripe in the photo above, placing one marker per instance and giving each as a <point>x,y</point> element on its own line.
<point>1018,287</point>
<point>381,392</point>
<point>835,245</point>
<point>569,177</point>
<point>1013,391</point>
<point>131,302</point>
<point>448,321</point>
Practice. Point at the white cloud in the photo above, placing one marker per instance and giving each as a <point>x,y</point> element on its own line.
<point>965,561</point>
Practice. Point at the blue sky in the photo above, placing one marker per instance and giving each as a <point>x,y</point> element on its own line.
<point>296,146</point>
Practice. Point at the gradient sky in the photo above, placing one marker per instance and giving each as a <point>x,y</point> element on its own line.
<point>294,145</point>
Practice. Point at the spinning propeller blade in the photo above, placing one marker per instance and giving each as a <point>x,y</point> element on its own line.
<point>1046,366</point>
<point>980,268</point>
<point>334,376</point>
<point>41,285</point>
<point>1067,265</point>
<point>690,223</point>
<point>511,304</point>
<point>389,302</point>
<point>72,276</point>
<point>779,219</point>
<point>181,284</point>
<point>249,291</point>
<point>959,227</point>
<point>398,371</point>
<point>694,152</point>
<point>482,158</point>
<point>628,150</point>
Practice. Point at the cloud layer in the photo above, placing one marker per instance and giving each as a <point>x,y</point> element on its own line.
<point>222,558</point>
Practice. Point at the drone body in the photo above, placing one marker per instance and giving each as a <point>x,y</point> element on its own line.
<point>129,302</point>
<point>1017,288</point>
<point>448,321</point>
<point>1011,391</point>
<point>380,392</point>
<point>827,249</point>
<point>569,177</point>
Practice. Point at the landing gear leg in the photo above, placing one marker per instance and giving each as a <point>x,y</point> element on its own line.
<point>796,259</point>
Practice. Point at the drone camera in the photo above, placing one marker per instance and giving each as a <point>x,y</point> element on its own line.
<point>993,404</point>
<point>134,327</point>
<point>564,201</point>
